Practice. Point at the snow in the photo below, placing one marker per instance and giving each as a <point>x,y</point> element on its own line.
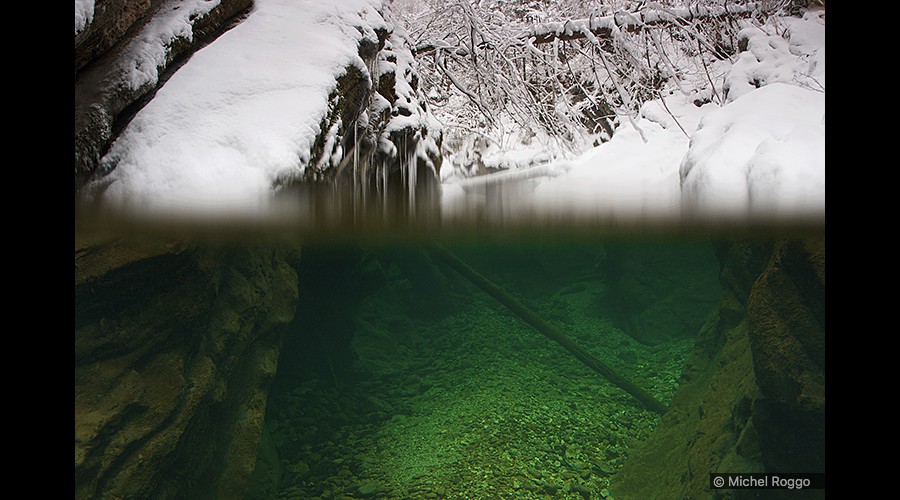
<point>762,153</point>
<point>633,177</point>
<point>770,58</point>
<point>147,52</point>
<point>84,14</point>
<point>242,113</point>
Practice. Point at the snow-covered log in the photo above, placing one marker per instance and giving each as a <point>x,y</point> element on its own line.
<point>606,26</point>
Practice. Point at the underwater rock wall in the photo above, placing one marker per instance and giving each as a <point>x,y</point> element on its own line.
<point>739,406</point>
<point>335,279</point>
<point>786,326</point>
<point>175,347</point>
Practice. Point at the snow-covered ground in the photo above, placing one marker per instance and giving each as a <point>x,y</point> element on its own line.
<point>244,111</point>
<point>761,153</point>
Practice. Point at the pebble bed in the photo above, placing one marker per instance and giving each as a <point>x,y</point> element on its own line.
<point>476,405</point>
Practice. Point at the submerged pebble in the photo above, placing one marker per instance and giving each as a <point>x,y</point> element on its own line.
<point>368,489</point>
<point>582,490</point>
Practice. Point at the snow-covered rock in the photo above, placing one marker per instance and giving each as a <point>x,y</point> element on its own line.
<point>300,93</point>
<point>122,51</point>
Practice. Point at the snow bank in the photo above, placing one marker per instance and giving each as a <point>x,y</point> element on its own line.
<point>762,153</point>
<point>625,179</point>
<point>797,58</point>
<point>241,113</point>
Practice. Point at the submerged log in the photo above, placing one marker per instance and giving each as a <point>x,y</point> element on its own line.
<point>533,319</point>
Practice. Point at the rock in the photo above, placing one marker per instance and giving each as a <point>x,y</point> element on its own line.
<point>377,133</point>
<point>786,319</point>
<point>111,19</point>
<point>175,347</point>
<point>301,468</point>
<point>551,489</point>
<point>397,145</point>
<point>786,328</point>
<point>105,96</point>
<point>267,473</point>
<point>582,490</point>
<point>753,397</point>
<point>658,293</point>
<point>368,489</point>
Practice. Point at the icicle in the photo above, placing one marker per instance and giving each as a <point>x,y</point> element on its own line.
<point>411,165</point>
<point>384,190</point>
<point>403,171</point>
<point>356,183</point>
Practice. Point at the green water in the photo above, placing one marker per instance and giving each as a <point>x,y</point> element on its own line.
<point>401,379</point>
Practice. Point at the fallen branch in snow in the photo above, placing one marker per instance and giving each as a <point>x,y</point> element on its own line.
<point>662,100</point>
<point>605,27</point>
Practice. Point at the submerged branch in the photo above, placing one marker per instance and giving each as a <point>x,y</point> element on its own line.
<point>530,317</point>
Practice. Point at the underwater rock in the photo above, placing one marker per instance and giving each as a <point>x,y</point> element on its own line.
<point>175,347</point>
<point>551,489</point>
<point>786,313</point>
<point>380,404</point>
<point>659,292</point>
<point>736,410</point>
<point>368,489</point>
<point>267,473</point>
<point>335,281</point>
<point>582,490</point>
<point>786,318</point>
